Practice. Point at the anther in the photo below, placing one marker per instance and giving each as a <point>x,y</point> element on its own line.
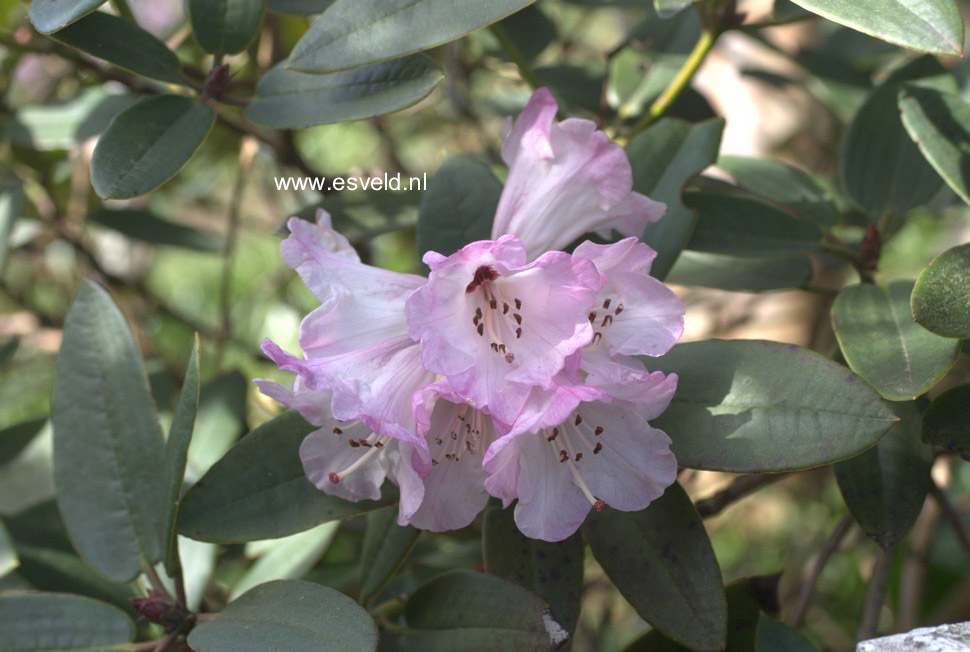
<point>606,304</point>
<point>481,329</point>
<point>518,318</point>
<point>364,442</point>
<point>454,436</point>
<point>598,431</point>
<point>439,441</point>
<point>354,444</point>
<point>597,448</point>
<point>555,433</point>
<point>563,456</point>
<point>607,321</point>
<point>599,505</point>
<point>509,358</point>
<point>597,336</point>
<point>618,310</point>
<point>337,431</point>
<point>378,444</point>
<point>592,317</point>
<point>518,333</point>
<point>505,308</point>
<point>493,304</point>
<point>579,418</point>
<point>518,304</point>
<point>579,456</point>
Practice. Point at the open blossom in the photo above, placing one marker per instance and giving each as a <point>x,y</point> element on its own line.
<point>511,370</point>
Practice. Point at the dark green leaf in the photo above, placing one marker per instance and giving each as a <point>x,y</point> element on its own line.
<point>883,171</point>
<point>146,144</point>
<point>750,406</point>
<point>386,548</point>
<point>123,43</point>
<point>744,226</point>
<point>773,635</point>
<point>299,7</point>
<point>942,294</point>
<point>15,438</point>
<point>932,26</point>
<point>259,491</point>
<point>458,206</point>
<point>51,15</point>
<point>884,488</point>
<point>553,571</point>
<point>8,555</point>
<point>61,124</point>
<point>107,441</point>
<point>289,99</point>
<point>225,26</point>
<point>11,201</point>
<point>662,562</point>
<point>740,274</point>
<point>663,158</point>
<point>946,422</point>
<point>147,227</point>
<point>883,344</point>
<point>784,184</point>
<point>467,610</point>
<point>7,352</point>
<point>667,8</point>
<point>176,454</point>
<point>531,30</point>
<point>50,569</point>
<point>352,33</point>
<point>41,622</point>
<point>289,615</point>
<point>938,123</point>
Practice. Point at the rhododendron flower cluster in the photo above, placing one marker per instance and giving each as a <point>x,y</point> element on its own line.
<point>512,370</point>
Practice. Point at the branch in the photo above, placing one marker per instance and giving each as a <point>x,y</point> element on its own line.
<point>738,489</point>
<point>876,595</point>
<point>515,55</point>
<point>808,588</point>
<point>950,514</point>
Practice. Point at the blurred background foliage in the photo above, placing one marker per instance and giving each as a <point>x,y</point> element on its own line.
<point>200,254</point>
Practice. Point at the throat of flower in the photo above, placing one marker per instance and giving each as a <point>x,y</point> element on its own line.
<point>374,448</point>
<point>463,435</point>
<point>603,317</point>
<point>499,319</point>
<point>565,436</point>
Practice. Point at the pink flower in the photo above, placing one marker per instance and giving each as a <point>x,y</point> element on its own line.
<point>565,180</point>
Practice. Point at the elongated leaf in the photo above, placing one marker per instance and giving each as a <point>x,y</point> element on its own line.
<point>459,607</point>
<point>11,201</point>
<point>147,227</point>
<point>883,171</point>
<point>662,562</point>
<point>553,571</point>
<point>937,123</point>
<point>883,344</point>
<point>741,274</point>
<point>176,453</point>
<point>8,554</point>
<point>52,569</point>
<point>663,158</point>
<point>289,99</point>
<point>51,15</point>
<point>107,441</point>
<point>123,43</point>
<point>259,491</point>
<point>352,33</point>
<point>744,226</point>
<point>750,406</point>
<point>39,622</point>
<point>942,294</point>
<point>288,558</point>
<point>458,206</point>
<point>946,422</point>
<point>60,124</point>
<point>15,438</point>
<point>225,26</point>
<point>386,547</point>
<point>289,615</point>
<point>884,488</point>
<point>929,25</point>
<point>772,635</point>
<point>784,184</point>
<point>146,144</point>
<point>667,8</point>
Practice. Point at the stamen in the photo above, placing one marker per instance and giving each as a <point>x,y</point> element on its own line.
<point>579,456</point>
<point>363,459</point>
<point>618,310</point>
<point>337,431</point>
<point>597,448</point>
<point>598,431</point>
<point>555,433</point>
<point>518,304</point>
<point>607,321</point>
<point>563,457</point>
<point>592,317</point>
<point>606,304</point>
<point>505,308</point>
<point>493,304</point>
<point>585,489</point>
<point>579,418</point>
<point>481,329</point>
<point>518,333</point>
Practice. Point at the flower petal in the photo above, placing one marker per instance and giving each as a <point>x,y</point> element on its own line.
<point>323,453</point>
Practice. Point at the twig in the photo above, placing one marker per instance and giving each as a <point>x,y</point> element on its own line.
<point>738,489</point>
<point>876,594</point>
<point>808,588</point>
<point>165,643</point>
<point>155,580</point>
<point>515,55</point>
<point>912,575</point>
<point>950,514</point>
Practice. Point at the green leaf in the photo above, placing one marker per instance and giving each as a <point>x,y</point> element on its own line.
<point>176,454</point>
<point>386,548</point>
<point>288,99</point>
<point>937,123</point>
<point>11,202</point>
<point>740,274</point>
<point>663,158</point>
<point>663,564</point>
<point>8,554</point>
<point>351,33</point>
<point>287,558</point>
<point>259,491</point>
<point>220,422</point>
<point>15,438</point>
<point>51,569</point>
<point>530,30</point>
<point>298,7</point>
<point>37,622</point>
<point>750,406</point>
<point>884,488</point>
<point>7,352</point>
<point>61,124</point>
<point>123,43</point>
<point>883,171</point>
<point>225,26</point>
<point>946,422</point>
<point>745,226</point>
<point>289,615</point>
<point>942,294</point>
<point>460,607</point>
<point>772,635</point>
<point>51,15</point>
<point>458,206</point>
<point>146,144</point>
<point>667,8</point>
<point>553,571</point>
<point>147,227</point>
<point>107,441</point>
<point>882,343</point>
<point>932,26</point>
<point>784,184</point>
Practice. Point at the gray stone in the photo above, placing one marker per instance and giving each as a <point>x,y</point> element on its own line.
<point>943,638</point>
